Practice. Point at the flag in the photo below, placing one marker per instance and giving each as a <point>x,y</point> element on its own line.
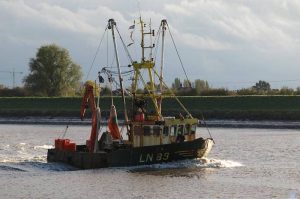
<point>132,26</point>
<point>130,44</point>
<point>131,36</point>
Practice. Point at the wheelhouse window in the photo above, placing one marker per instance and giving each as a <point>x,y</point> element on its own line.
<point>147,130</point>
<point>166,131</point>
<point>173,130</point>
<point>187,129</point>
<point>193,129</point>
<point>138,130</point>
<point>180,129</point>
<point>156,130</point>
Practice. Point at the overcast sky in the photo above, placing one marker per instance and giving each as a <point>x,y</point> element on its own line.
<point>231,44</point>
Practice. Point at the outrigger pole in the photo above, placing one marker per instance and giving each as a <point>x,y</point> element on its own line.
<point>111,24</point>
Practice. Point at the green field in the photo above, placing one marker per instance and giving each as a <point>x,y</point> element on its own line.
<point>233,107</point>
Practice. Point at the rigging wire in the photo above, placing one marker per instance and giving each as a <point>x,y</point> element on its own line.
<point>157,43</point>
<point>151,49</point>
<point>66,129</point>
<point>97,51</point>
<point>179,56</point>
<point>107,51</point>
<point>206,126</point>
<point>116,73</point>
<point>173,94</point>
<point>112,80</point>
<point>124,46</point>
<point>183,107</point>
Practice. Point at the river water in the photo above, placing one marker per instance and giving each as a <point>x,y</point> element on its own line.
<point>244,163</point>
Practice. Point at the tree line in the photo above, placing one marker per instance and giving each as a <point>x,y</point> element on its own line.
<point>201,88</point>
<point>54,73</point>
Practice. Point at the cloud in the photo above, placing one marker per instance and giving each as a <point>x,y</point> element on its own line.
<point>271,25</point>
<point>178,9</point>
<point>199,42</point>
<point>42,20</point>
<point>220,37</point>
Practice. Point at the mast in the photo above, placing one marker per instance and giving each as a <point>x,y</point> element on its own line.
<point>146,65</point>
<point>111,24</point>
<point>142,40</point>
<point>163,26</point>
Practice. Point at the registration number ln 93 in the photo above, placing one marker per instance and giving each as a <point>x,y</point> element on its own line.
<point>154,157</point>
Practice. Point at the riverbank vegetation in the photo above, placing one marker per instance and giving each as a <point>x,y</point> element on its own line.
<point>196,88</point>
<point>214,107</point>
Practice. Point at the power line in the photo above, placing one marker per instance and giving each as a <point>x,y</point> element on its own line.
<point>13,72</point>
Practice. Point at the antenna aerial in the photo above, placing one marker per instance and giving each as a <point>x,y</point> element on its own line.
<point>139,7</point>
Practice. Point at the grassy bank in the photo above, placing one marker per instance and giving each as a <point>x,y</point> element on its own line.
<point>237,107</point>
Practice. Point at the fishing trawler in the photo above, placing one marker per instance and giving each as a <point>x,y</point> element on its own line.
<point>152,137</point>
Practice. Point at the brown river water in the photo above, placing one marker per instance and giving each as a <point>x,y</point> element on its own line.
<point>244,163</point>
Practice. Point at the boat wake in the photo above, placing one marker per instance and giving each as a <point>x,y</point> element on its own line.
<point>45,146</point>
<point>203,163</point>
<point>215,163</point>
<point>10,168</point>
<point>28,157</point>
<point>23,152</point>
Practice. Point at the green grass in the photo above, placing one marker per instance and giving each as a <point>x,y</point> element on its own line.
<point>233,107</point>
<point>242,103</point>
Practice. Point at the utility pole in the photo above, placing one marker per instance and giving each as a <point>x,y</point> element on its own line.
<point>13,72</point>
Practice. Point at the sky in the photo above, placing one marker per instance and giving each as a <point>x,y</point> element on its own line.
<point>231,44</point>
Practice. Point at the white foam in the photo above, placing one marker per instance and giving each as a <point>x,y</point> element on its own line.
<point>5,147</point>
<point>27,158</point>
<point>45,146</point>
<point>42,158</point>
<point>215,163</point>
<point>194,163</point>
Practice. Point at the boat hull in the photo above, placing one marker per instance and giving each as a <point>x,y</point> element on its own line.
<point>146,155</point>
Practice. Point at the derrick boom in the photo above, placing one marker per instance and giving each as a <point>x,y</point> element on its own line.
<point>88,98</point>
